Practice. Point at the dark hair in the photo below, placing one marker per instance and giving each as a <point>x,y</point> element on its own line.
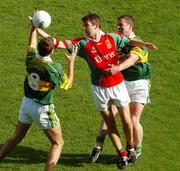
<point>93,18</point>
<point>45,46</point>
<point>129,19</point>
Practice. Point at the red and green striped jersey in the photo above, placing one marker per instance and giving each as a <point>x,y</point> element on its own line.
<point>42,77</point>
<point>98,54</point>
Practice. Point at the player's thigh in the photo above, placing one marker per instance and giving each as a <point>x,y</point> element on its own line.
<point>113,109</point>
<point>54,134</point>
<point>125,114</point>
<point>108,118</point>
<point>21,129</point>
<point>136,110</point>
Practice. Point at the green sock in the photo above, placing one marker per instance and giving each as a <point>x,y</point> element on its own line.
<point>100,139</point>
<point>138,148</point>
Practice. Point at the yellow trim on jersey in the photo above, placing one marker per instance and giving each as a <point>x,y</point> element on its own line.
<point>66,84</point>
<point>45,86</point>
<point>141,53</point>
<point>51,115</point>
<point>29,50</point>
<point>39,85</point>
<point>31,47</point>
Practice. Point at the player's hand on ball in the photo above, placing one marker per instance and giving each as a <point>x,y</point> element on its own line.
<point>30,17</point>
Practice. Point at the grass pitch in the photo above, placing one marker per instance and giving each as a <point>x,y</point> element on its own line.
<point>156,21</point>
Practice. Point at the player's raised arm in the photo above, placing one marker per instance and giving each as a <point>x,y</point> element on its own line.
<point>43,34</point>
<point>32,37</point>
<point>71,59</point>
<point>140,43</point>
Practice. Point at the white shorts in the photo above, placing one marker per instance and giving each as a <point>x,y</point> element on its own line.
<point>43,115</point>
<point>116,95</point>
<point>138,91</point>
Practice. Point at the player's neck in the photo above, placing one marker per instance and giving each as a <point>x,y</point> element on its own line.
<point>96,36</point>
<point>131,35</point>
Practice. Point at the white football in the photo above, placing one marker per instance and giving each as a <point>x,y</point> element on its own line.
<point>41,19</point>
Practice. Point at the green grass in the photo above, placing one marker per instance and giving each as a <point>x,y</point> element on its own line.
<point>156,21</point>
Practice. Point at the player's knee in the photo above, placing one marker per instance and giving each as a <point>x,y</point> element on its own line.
<point>127,123</point>
<point>135,121</point>
<point>61,143</point>
<point>112,129</point>
<point>51,164</point>
<point>58,143</point>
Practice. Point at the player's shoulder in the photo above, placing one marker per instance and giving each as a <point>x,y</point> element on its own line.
<point>31,49</point>
<point>115,34</point>
<point>31,52</point>
<point>54,65</point>
<point>118,36</point>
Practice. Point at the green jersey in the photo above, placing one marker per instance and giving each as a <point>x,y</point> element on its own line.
<point>141,69</point>
<point>42,77</point>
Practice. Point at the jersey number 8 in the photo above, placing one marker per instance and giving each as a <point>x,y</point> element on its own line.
<point>33,81</point>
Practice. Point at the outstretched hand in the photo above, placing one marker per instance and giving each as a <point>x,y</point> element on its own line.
<point>30,17</point>
<point>71,57</point>
<point>68,80</point>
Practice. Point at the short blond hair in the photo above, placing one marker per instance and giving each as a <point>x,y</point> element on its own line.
<point>129,19</point>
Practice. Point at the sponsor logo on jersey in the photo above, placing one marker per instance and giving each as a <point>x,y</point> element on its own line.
<point>99,59</point>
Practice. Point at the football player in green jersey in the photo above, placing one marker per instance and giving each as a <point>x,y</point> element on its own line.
<point>136,70</point>
<point>43,75</point>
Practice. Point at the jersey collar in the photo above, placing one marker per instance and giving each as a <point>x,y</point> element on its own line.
<point>132,35</point>
<point>101,33</point>
<point>46,58</point>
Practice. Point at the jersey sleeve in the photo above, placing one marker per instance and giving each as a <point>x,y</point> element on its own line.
<point>76,43</point>
<point>56,73</point>
<point>31,52</point>
<point>120,40</point>
<point>142,53</point>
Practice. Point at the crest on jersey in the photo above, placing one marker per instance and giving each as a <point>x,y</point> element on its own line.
<point>108,44</point>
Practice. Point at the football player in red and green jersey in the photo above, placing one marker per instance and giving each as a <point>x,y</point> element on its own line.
<point>43,75</point>
<point>99,49</point>
<point>136,70</point>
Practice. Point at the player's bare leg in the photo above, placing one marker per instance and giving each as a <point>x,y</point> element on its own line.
<point>96,151</point>
<point>136,111</point>
<point>112,129</point>
<point>115,138</point>
<point>20,133</point>
<point>56,139</point>
<point>128,130</point>
<point>127,123</point>
<point>103,131</point>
